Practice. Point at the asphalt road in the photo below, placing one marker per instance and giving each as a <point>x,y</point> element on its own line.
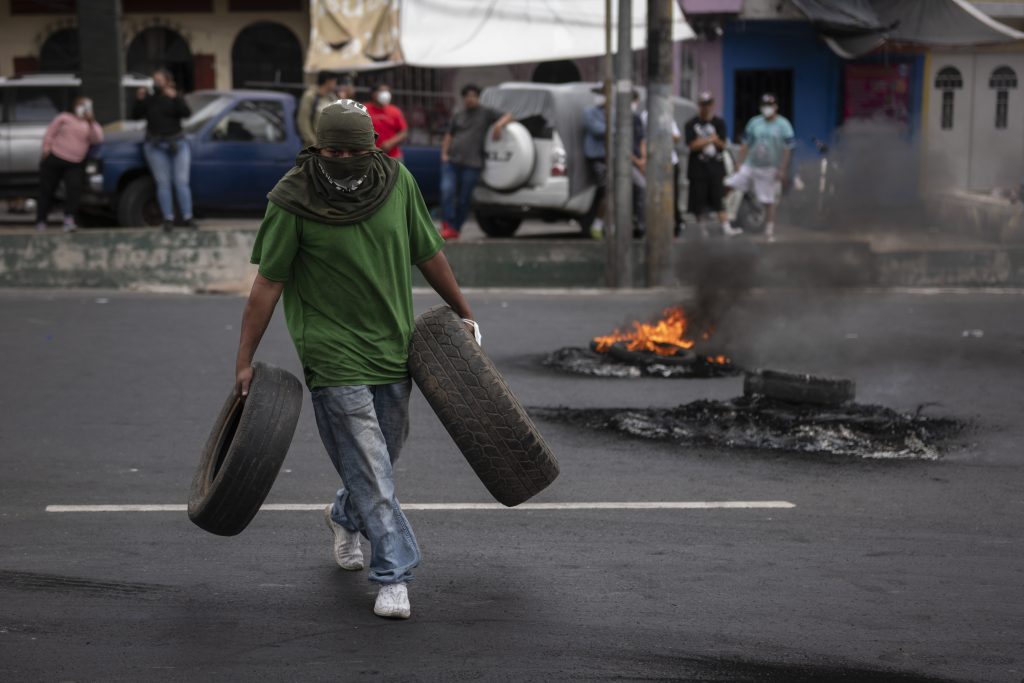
<point>904,571</point>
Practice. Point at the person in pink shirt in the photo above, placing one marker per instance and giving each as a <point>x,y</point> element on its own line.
<point>65,147</point>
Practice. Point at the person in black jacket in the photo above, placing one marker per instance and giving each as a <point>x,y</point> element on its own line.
<point>167,150</point>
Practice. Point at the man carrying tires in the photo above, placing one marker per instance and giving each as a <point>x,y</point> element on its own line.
<point>340,232</point>
<point>462,158</point>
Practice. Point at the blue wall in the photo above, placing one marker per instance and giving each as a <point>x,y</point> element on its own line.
<point>817,72</point>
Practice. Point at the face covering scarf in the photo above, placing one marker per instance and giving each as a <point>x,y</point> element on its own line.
<point>338,191</point>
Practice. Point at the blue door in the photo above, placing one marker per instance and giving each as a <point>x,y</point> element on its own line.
<point>237,161</point>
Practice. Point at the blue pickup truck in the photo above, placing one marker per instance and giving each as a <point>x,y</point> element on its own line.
<point>242,142</point>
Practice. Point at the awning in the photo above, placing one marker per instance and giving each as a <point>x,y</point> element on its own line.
<point>855,27</point>
<point>458,33</point>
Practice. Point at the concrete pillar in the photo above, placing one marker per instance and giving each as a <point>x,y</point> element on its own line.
<point>102,57</point>
<point>659,199</point>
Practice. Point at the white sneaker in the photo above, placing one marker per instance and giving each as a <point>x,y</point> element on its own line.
<point>730,231</point>
<point>392,601</point>
<point>347,552</point>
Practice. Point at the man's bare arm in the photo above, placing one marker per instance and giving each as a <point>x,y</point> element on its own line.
<point>446,142</point>
<point>742,155</point>
<point>438,275</point>
<point>258,311</point>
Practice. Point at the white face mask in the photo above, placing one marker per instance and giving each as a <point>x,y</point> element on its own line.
<point>767,111</point>
<point>83,108</point>
<point>384,97</point>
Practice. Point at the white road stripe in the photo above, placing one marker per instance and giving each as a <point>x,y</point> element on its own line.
<point>309,507</point>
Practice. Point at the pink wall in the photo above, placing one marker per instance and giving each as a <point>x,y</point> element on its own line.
<point>706,59</point>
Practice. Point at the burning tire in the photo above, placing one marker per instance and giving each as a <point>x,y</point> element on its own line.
<point>481,414</point>
<point>244,452</point>
<point>620,351</point>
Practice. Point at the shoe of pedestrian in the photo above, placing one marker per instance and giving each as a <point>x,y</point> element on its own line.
<point>69,225</point>
<point>168,226</point>
<point>347,552</point>
<point>730,231</point>
<point>597,229</point>
<point>448,232</point>
<point>392,601</point>
<point>41,226</point>
<point>190,223</point>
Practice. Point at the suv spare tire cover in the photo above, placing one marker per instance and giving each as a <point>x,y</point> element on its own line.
<point>508,162</point>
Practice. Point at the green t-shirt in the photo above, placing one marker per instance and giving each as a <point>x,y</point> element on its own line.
<point>348,288</point>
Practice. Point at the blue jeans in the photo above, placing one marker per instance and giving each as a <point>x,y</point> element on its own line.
<point>363,429</point>
<point>163,164</point>
<point>457,183</point>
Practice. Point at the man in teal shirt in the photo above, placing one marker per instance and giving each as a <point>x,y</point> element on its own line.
<point>764,158</point>
<point>341,232</point>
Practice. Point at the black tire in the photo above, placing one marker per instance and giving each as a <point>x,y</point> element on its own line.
<point>797,388</point>
<point>245,451</point>
<point>481,414</point>
<point>498,225</point>
<point>137,205</point>
<point>620,352</point>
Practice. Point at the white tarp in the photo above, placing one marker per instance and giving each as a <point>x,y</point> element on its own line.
<point>456,33</point>
<point>350,35</point>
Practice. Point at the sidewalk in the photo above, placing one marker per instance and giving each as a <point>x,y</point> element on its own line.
<point>216,258</point>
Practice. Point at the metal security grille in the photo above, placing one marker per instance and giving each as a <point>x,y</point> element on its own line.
<point>750,84</point>
<point>422,96</point>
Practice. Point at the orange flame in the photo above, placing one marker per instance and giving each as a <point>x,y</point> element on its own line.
<point>664,337</point>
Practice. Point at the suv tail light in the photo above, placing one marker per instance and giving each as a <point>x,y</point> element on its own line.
<point>558,157</point>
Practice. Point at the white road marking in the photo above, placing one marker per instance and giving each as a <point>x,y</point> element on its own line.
<point>309,507</point>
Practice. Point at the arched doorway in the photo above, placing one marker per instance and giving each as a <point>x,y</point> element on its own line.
<point>265,52</point>
<point>59,53</point>
<point>559,71</point>
<point>159,47</point>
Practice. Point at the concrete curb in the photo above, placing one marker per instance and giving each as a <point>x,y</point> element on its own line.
<point>218,261</point>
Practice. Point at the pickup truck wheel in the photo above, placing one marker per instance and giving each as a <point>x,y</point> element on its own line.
<point>137,205</point>
<point>498,225</point>
<point>751,216</point>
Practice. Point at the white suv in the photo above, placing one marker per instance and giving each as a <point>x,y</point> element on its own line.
<point>537,169</point>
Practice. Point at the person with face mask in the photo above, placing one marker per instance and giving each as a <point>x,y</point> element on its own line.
<point>764,158</point>
<point>388,121</point>
<point>594,129</point>
<point>65,146</point>
<point>339,235</point>
<point>166,148</point>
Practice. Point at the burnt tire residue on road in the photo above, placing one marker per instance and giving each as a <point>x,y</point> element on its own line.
<point>579,361</point>
<point>245,451</point>
<point>854,430</point>
<point>59,583</point>
<point>476,406</point>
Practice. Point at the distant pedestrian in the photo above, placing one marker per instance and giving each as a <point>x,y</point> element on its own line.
<point>312,103</point>
<point>764,158</point>
<point>166,148</point>
<point>639,168</point>
<point>462,157</point>
<point>677,218</point>
<point>706,140</point>
<point>65,146</point>
<point>388,121</point>
<point>594,130</point>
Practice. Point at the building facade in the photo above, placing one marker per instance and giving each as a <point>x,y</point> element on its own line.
<point>204,43</point>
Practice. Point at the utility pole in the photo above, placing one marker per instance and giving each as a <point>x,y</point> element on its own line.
<point>622,158</point>
<point>99,34</point>
<point>610,262</point>
<point>659,176</point>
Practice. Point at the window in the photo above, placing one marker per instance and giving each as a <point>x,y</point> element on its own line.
<point>252,121</point>
<point>947,80</point>
<point>40,105</point>
<point>1002,80</point>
